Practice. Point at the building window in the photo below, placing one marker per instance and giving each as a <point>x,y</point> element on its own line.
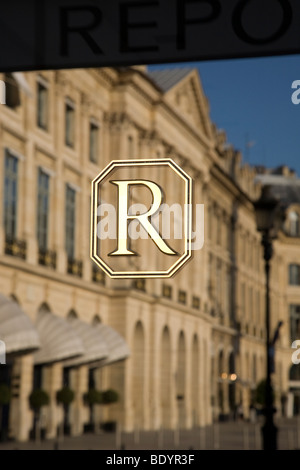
<point>70,221</point>
<point>295,321</point>
<point>182,297</point>
<point>70,123</point>
<point>94,136</point>
<point>210,222</point>
<point>196,302</point>
<point>10,195</point>
<point>243,300</point>
<point>229,294</point>
<point>98,275</point>
<point>43,209</point>
<point>294,224</point>
<point>219,282</point>
<point>13,99</point>
<point>229,235</point>
<point>167,291</point>
<point>139,284</point>
<point>219,229</point>
<point>294,274</point>
<point>257,320</point>
<point>42,104</point>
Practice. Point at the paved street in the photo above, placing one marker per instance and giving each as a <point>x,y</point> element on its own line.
<point>220,436</point>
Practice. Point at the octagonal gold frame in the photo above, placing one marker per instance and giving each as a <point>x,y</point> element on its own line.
<point>95,256</point>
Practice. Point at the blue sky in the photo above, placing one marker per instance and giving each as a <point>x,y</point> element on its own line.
<point>251,100</point>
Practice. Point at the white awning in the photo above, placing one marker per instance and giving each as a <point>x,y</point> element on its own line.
<point>22,82</point>
<point>16,329</point>
<point>58,340</point>
<point>118,349</point>
<point>94,344</point>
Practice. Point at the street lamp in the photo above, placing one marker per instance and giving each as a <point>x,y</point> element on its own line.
<point>269,218</point>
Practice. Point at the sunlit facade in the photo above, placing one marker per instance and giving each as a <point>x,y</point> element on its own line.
<point>193,346</point>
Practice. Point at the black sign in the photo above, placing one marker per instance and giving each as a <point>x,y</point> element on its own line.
<point>48,34</point>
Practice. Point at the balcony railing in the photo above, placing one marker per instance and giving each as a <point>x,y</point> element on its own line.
<point>98,275</point>
<point>15,247</point>
<point>75,267</point>
<point>47,258</point>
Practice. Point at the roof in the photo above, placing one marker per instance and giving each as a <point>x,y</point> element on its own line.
<point>168,78</point>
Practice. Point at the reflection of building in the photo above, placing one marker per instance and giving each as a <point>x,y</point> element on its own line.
<point>196,341</point>
<point>286,186</point>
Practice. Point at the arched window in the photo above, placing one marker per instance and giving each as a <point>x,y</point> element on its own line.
<point>14,298</point>
<point>294,224</point>
<point>44,308</point>
<point>96,320</point>
<point>72,314</point>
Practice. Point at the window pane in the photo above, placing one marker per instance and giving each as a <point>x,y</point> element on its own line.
<point>70,116</point>
<point>94,133</point>
<point>13,99</point>
<point>294,274</point>
<point>10,195</point>
<point>42,106</point>
<point>70,222</point>
<point>43,210</point>
<point>295,321</point>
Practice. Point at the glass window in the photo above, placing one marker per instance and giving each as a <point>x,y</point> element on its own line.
<point>43,209</point>
<point>294,274</point>
<point>209,217</point>
<point>295,321</point>
<point>219,228</point>
<point>10,195</point>
<point>228,292</point>
<point>70,124</point>
<point>94,135</point>
<point>13,99</point>
<point>42,105</point>
<point>243,300</point>
<point>228,235</point>
<point>70,222</point>
<point>219,282</point>
<point>257,307</point>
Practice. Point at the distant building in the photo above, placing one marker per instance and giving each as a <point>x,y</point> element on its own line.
<point>180,352</point>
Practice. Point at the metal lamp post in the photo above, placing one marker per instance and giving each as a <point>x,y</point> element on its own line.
<point>269,218</point>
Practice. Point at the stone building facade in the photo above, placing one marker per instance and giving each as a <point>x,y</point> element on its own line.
<point>191,348</point>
